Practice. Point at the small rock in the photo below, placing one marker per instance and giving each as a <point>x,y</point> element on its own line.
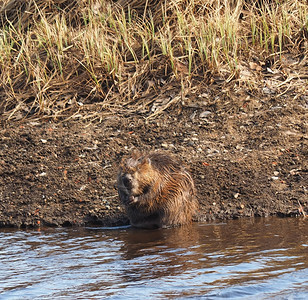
<point>236,195</point>
<point>83,187</point>
<point>204,114</point>
<point>294,171</point>
<point>204,95</point>
<point>171,146</point>
<point>276,173</point>
<point>43,141</point>
<point>267,90</point>
<point>274,178</point>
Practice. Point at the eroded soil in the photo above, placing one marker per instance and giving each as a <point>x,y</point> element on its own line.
<point>247,154</point>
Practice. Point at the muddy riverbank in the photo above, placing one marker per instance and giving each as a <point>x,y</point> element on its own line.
<point>248,157</point>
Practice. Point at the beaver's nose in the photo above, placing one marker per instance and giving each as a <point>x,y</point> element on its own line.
<point>127,181</point>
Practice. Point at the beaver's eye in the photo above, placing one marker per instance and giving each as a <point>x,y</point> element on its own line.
<point>127,181</point>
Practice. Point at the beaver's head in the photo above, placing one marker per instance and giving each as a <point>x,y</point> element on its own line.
<point>135,177</point>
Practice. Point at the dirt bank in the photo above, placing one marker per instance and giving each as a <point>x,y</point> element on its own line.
<point>247,154</point>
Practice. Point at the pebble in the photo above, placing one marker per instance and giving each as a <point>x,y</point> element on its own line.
<point>294,171</point>
<point>83,187</point>
<point>204,95</point>
<point>204,114</point>
<point>167,146</point>
<point>267,91</point>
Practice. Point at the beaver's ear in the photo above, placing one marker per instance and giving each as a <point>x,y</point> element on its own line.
<point>136,154</point>
<point>146,161</point>
<point>123,161</point>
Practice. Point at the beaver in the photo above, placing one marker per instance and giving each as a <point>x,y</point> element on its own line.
<point>156,190</point>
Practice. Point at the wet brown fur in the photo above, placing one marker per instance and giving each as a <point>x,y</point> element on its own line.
<point>156,190</point>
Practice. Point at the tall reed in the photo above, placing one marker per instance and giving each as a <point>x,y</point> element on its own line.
<point>56,58</point>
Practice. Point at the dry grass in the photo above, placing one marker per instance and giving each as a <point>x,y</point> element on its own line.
<point>86,58</point>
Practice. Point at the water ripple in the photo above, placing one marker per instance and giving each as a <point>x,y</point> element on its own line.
<point>253,258</point>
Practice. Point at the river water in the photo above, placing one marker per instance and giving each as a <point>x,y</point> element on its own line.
<point>261,258</point>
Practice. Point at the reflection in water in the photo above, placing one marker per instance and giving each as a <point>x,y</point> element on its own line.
<point>159,253</point>
<point>241,258</point>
